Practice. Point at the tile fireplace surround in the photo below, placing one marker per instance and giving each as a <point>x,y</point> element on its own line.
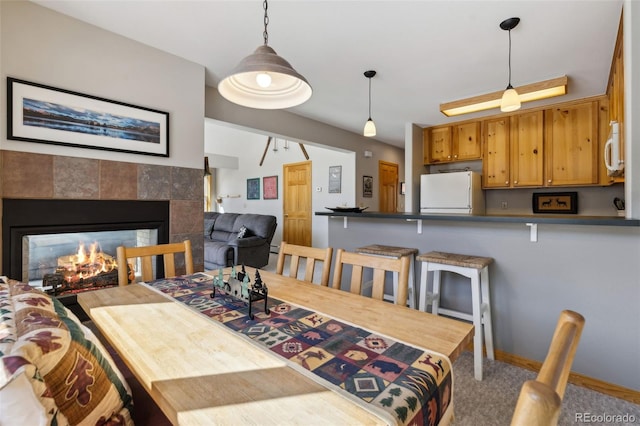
<point>49,177</point>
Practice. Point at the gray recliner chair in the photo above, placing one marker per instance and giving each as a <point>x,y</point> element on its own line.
<point>237,239</point>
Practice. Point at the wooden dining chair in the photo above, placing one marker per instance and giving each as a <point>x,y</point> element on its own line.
<point>540,400</point>
<point>146,254</point>
<point>380,265</point>
<point>311,255</point>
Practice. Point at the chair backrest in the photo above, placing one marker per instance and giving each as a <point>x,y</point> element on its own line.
<point>540,400</point>
<point>380,265</point>
<point>311,255</point>
<point>146,253</point>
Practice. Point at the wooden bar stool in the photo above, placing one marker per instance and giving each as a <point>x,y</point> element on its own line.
<point>477,269</point>
<point>396,253</point>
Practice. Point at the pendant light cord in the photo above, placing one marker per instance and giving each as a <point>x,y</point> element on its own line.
<point>265,34</point>
<point>369,98</point>
<point>510,86</point>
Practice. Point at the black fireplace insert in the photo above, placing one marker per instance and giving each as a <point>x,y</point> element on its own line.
<point>27,217</point>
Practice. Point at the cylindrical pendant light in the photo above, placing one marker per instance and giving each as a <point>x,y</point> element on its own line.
<point>369,126</point>
<point>265,80</point>
<point>510,100</point>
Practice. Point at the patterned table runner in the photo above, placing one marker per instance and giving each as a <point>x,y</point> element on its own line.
<point>411,384</point>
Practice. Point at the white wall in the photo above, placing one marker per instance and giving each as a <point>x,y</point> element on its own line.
<point>248,148</point>
<point>43,46</point>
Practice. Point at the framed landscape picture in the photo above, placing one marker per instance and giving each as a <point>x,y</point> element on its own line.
<point>45,114</point>
<point>270,187</point>
<point>253,189</point>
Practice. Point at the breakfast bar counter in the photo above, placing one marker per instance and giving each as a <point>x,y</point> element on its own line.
<point>549,219</point>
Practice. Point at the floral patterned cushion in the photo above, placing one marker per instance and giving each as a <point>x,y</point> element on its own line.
<point>53,369</point>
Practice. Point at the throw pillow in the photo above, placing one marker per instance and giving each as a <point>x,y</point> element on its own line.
<point>242,232</point>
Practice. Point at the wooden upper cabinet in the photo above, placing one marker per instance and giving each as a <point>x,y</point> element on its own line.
<point>437,145</point>
<point>527,144</point>
<point>495,165</point>
<point>445,144</point>
<point>466,142</point>
<point>513,151</point>
<point>571,150</point>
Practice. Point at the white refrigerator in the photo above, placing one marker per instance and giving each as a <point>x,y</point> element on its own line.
<point>452,193</point>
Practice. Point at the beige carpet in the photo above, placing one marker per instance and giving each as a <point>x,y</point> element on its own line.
<point>492,400</point>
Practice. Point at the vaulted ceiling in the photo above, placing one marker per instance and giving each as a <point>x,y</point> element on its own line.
<point>425,52</point>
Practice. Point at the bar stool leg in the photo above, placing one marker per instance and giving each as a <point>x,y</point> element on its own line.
<point>424,294</point>
<point>435,304</point>
<point>486,312</point>
<point>395,286</point>
<point>413,296</point>
<point>477,323</point>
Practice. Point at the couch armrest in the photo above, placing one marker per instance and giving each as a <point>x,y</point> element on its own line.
<point>252,241</point>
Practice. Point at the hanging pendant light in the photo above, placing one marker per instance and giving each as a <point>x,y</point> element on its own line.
<point>510,99</point>
<point>370,126</point>
<point>265,80</point>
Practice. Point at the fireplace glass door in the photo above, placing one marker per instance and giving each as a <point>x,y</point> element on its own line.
<point>67,263</point>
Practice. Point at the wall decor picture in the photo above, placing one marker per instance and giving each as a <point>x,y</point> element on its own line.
<point>367,186</point>
<point>45,114</point>
<point>335,179</point>
<point>253,189</point>
<point>270,187</point>
<point>555,202</point>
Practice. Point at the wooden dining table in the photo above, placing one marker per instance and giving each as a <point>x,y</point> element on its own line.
<point>200,372</point>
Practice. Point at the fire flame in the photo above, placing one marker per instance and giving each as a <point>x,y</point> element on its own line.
<point>84,265</point>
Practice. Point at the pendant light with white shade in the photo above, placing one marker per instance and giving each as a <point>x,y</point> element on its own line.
<point>370,126</point>
<point>510,99</point>
<point>265,80</point>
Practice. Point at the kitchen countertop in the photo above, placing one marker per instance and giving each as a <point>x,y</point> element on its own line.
<point>550,219</point>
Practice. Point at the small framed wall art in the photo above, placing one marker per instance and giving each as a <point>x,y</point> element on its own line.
<point>253,189</point>
<point>335,179</point>
<point>367,186</point>
<point>555,202</point>
<point>270,188</point>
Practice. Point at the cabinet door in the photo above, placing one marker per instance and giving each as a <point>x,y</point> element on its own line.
<point>572,147</point>
<point>440,145</point>
<point>466,142</point>
<point>495,165</point>
<point>603,135</point>
<point>527,142</point>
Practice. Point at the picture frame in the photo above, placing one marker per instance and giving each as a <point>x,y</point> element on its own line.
<point>270,187</point>
<point>367,186</point>
<point>253,189</point>
<point>50,115</point>
<point>335,179</point>
<point>555,202</point>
